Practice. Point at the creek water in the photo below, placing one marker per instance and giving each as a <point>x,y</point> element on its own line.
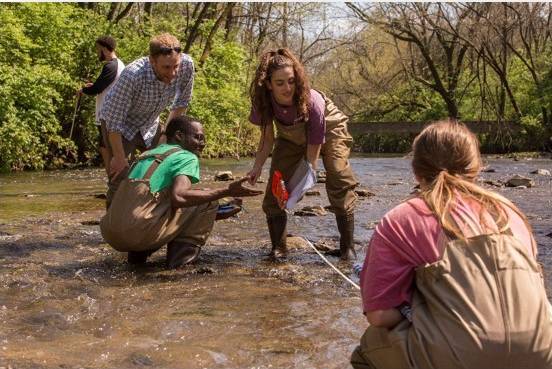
<point>67,300</point>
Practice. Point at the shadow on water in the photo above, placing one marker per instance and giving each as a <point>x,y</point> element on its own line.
<point>67,300</point>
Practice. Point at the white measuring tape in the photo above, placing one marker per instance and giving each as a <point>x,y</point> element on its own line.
<point>331,265</point>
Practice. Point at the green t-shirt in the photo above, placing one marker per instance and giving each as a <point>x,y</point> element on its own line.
<point>179,163</point>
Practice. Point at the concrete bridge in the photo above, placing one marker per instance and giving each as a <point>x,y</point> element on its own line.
<point>360,128</point>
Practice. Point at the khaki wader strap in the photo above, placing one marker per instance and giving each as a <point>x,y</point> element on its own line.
<point>473,227</point>
<point>158,159</point>
<point>305,122</point>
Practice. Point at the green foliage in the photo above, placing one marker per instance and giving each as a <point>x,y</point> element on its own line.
<point>384,143</point>
<point>219,102</point>
<point>40,66</point>
<point>47,53</point>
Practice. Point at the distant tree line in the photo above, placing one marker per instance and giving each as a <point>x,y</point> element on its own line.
<point>379,62</point>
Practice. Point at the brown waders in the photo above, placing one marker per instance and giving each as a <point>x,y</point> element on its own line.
<point>483,305</point>
<point>291,147</point>
<point>130,148</point>
<point>140,222</point>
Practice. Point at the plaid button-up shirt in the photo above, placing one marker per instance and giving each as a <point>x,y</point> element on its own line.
<point>134,103</point>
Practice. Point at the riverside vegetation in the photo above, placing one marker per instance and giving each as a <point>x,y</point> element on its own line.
<point>383,62</point>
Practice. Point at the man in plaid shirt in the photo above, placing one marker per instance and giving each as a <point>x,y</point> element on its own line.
<point>130,114</point>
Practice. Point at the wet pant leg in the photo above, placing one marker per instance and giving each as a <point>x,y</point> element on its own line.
<point>379,350</point>
<point>285,157</point>
<point>340,179</point>
<point>198,225</point>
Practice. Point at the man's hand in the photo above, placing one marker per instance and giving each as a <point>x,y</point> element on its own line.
<point>117,165</point>
<point>86,85</point>
<point>236,189</point>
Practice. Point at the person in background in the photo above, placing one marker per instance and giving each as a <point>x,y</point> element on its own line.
<point>130,113</point>
<point>451,279</point>
<point>308,125</point>
<point>157,205</point>
<point>111,70</point>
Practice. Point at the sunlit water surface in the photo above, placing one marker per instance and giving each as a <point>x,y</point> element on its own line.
<point>67,300</point>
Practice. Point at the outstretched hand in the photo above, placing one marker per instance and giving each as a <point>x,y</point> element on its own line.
<point>236,189</point>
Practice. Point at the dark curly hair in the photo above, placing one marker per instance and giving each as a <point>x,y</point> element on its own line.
<point>107,41</point>
<point>260,95</point>
<point>181,123</point>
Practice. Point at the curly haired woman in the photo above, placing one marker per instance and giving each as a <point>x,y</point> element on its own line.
<point>299,123</point>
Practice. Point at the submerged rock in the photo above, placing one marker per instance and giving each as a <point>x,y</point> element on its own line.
<point>141,359</point>
<point>90,222</point>
<point>541,172</point>
<point>371,225</point>
<point>488,170</point>
<point>296,243</point>
<point>518,180</point>
<point>325,245</point>
<point>312,193</point>
<point>364,193</point>
<point>311,211</point>
<point>205,270</point>
<point>494,183</point>
<point>224,176</point>
<point>321,176</point>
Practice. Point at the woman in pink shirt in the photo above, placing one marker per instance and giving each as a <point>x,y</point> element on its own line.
<point>450,279</point>
<point>299,123</point>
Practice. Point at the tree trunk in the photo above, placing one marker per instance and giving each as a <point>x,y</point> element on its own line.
<point>285,26</point>
<point>192,36</point>
<point>124,13</point>
<point>207,49</point>
<point>112,10</point>
<point>148,8</point>
<point>229,23</point>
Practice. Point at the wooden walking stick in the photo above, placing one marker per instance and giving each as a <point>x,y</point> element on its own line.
<point>77,103</point>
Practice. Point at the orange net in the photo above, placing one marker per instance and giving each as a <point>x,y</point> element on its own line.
<point>279,189</point>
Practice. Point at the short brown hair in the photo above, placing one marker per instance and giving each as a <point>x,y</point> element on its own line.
<point>107,41</point>
<point>164,40</point>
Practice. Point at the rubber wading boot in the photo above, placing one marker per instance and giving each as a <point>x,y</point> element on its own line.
<point>181,253</point>
<point>277,231</point>
<point>138,257</point>
<point>346,227</point>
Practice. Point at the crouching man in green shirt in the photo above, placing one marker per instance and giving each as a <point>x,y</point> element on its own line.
<point>156,204</point>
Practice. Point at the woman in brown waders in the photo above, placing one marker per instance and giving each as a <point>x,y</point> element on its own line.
<point>450,279</point>
<point>308,125</point>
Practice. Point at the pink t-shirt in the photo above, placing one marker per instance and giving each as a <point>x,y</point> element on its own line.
<point>287,115</point>
<point>407,237</point>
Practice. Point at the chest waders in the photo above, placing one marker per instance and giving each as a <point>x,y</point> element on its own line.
<point>483,305</point>
<point>130,148</point>
<point>290,148</point>
<point>140,222</point>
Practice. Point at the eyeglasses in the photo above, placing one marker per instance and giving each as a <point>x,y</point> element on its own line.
<point>167,50</point>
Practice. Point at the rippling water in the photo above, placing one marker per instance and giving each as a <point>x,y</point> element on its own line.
<point>67,300</point>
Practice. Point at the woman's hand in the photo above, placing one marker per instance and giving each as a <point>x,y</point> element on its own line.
<point>253,175</point>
